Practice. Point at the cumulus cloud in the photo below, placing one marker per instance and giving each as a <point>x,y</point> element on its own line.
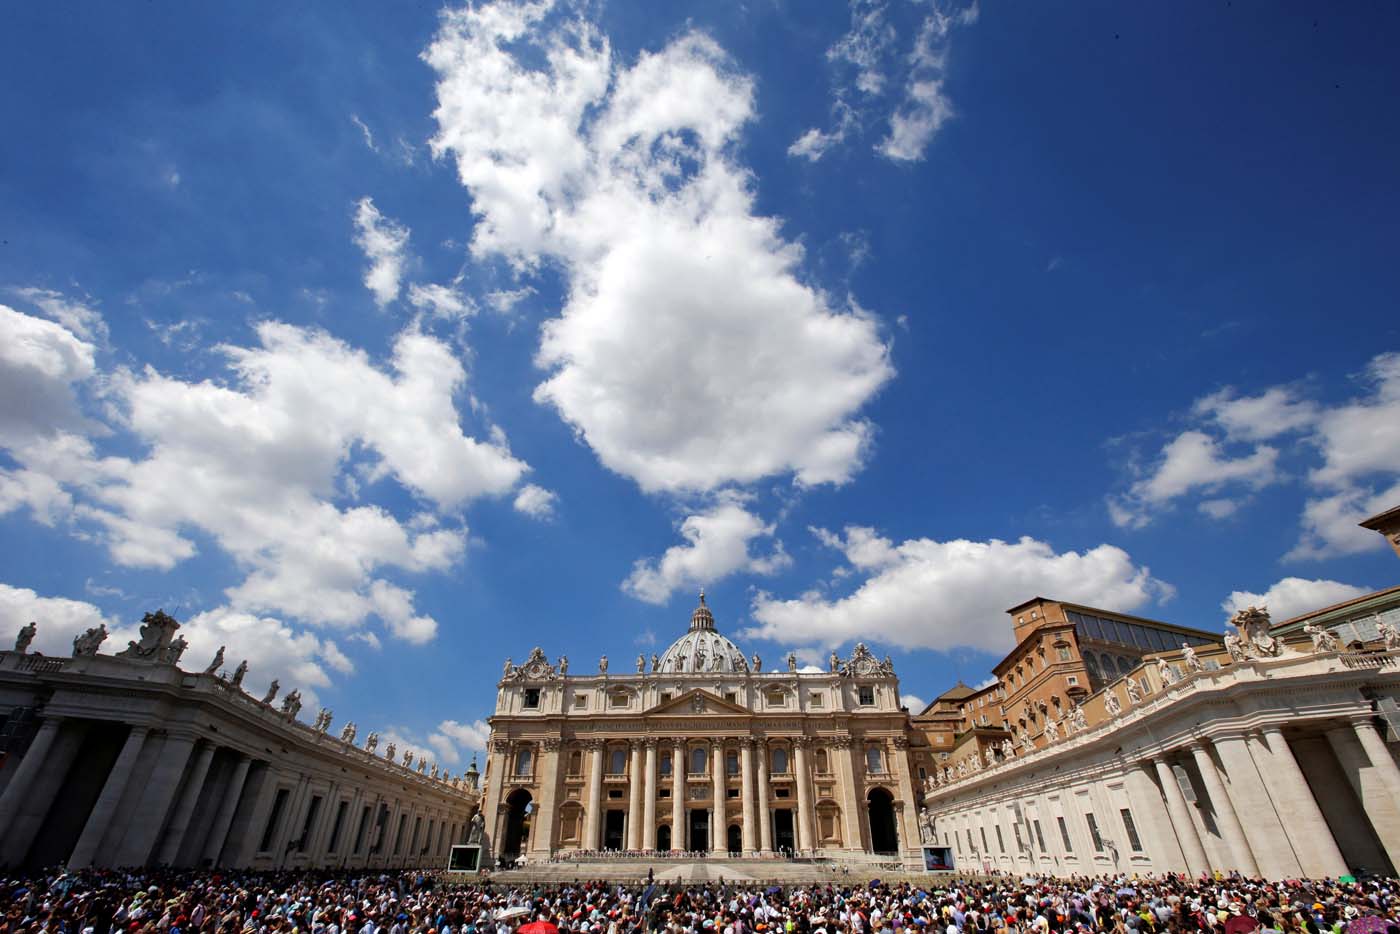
<point>443,301</point>
<point>923,593</point>
<point>41,363</point>
<point>913,702</point>
<point>451,739</point>
<point>1292,596</point>
<point>926,106</point>
<point>76,315</point>
<point>1191,461</point>
<point>535,501</point>
<point>255,465</point>
<point>717,544</point>
<point>689,354</point>
<point>1348,451</point>
<point>383,242</point>
<point>58,619</point>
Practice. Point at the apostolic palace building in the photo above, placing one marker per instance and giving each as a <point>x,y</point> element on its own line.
<point>1102,743</point>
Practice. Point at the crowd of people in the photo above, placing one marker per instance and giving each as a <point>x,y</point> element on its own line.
<point>231,902</point>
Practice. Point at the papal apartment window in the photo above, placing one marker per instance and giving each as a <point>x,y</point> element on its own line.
<point>867,696</point>
<point>532,698</point>
<point>1064,835</point>
<point>1094,832</point>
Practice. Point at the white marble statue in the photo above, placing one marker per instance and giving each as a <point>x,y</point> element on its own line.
<point>239,674</point>
<point>757,663</point>
<point>408,758</point>
<point>389,751</point>
<point>217,663</point>
<point>1134,692</point>
<point>835,661</point>
<point>1323,640</point>
<point>1027,743</point>
<point>1080,719</point>
<point>26,635</point>
<point>271,691</point>
<point>372,742</point>
<point>347,733</point>
<point>291,704</point>
<point>1188,655</point>
<point>603,665</point>
<point>655,663</point>
<point>1390,633</point>
<point>1052,730</point>
<point>990,754</point>
<point>1252,624</point>
<point>1111,704</point>
<point>509,667</point>
<point>926,826</point>
<point>563,664</point>
<point>85,645</point>
<point>1233,647</point>
<point>1166,672</point>
<point>792,661</point>
<point>478,829</point>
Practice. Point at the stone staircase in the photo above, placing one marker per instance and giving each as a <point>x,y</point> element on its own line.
<point>767,871</point>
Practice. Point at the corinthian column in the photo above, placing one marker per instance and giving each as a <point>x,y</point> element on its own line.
<point>806,834</point>
<point>850,792</point>
<point>546,816</point>
<point>765,823</point>
<point>595,794</point>
<point>746,794</point>
<point>1225,810</point>
<point>678,797</point>
<point>649,798</point>
<point>634,798</point>
<point>717,821</point>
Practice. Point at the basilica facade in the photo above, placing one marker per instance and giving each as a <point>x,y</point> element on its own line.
<point>701,750</point>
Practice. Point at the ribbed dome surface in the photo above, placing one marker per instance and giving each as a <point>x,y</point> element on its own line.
<point>703,649</point>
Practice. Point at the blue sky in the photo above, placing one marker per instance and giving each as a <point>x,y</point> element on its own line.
<point>381,342</point>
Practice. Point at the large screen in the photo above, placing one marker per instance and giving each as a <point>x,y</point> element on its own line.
<point>938,859</point>
<point>464,859</point>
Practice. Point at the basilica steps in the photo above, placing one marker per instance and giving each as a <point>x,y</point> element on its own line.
<point>767,871</point>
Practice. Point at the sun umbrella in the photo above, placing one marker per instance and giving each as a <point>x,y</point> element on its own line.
<point>539,927</point>
<point>515,911</point>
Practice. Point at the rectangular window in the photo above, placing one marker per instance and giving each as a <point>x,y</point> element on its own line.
<point>816,700</point>
<point>732,697</point>
<point>532,698</point>
<point>983,831</point>
<point>776,698</point>
<point>1064,835</point>
<point>310,822</point>
<point>617,700</point>
<point>867,695</point>
<point>1134,840</point>
<point>1094,832</point>
<point>1064,653</point>
<point>665,792</point>
<point>665,696</point>
<point>1001,842</point>
<point>731,792</point>
<point>780,793</point>
<point>581,701</point>
<point>1039,837</point>
<point>1072,679</point>
<point>339,822</point>
<point>279,804</point>
<point>413,840</point>
<point>360,830</point>
<point>398,835</point>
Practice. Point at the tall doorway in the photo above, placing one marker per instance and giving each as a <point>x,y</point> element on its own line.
<point>663,838</point>
<point>613,826</point>
<point>699,830</point>
<point>883,836</point>
<point>517,823</point>
<point>735,840</point>
<point>783,838</point>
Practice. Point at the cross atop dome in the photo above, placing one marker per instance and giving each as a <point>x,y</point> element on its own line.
<point>702,618</point>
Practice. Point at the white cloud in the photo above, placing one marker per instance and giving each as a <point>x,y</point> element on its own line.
<point>40,364</point>
<point>1193,461</point>
<point>535,501</point>
<point>813,144</point>
<point>256,464</point>
<point>940,595</point>
<point>365,132</point>
<point>383,242</point>
<point>273,649</point>
<point>451,738</point>
<point>717,545</point>
<point>442,301</point>
<point>503,301</point>
<point>1293,596</point>
<point>925,107</point>
<point>689,354</point>
<point>57,619</point>
<point>1274,412</point>
<point>913,702</point>
<point>79,317</point>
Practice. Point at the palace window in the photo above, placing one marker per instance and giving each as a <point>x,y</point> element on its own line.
<point>731,763</point>
<point>1094,831</point>
<point>522,761</point>
<point>665,696</point>
<point>1064,835</point>
<point>580,701</point>
<point>780,792</point>
<point>776,698</point>
<point>816,700</point>
<point>666,763</point>
<point>698,761</point>
<point>866,695</point>
<point>532,698</point>
<point>780,761</point>
<point>823,765</point>
<point>873,763</point>
<point>575,763</point>
<point>1133,839</point>
<point>732,697</point>
<point>617,762</point>
<point>620,699</point>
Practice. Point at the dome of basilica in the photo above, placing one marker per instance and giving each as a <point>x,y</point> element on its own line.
<point>702,648</point>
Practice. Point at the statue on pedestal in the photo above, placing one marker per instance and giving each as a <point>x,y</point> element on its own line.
<point>172,652</point>
<point>1111,705</point>
<point>1052,730</point>
<point>1232,646</point>
<point>563,664</point>
<point>26,635</point>
<point>792,661</point>
<point>641,663</point>
<point>272,690</point>
<point>478,829</point>
<point>372,742</point>
<point>217,662</point>
<point>1390,633</point>
<point>1079,718</point>
<point>408,759</point>
<point>835,661</point>
<point>291,705</point>
<point>1166,672</point>
<point>926,826</point>
<point>323,720</point>
<point>85,645</point>
<point>389,751</point>
<point>157,631</point>
<point>990,754</point>
<point>347,735</point>
<point>603,665</point>
<point>655,663</point>
<point>1323,640</point>
<point>1252,624</point>
<point>1188,655</point>
<point>1134,692</point>
<point>757,664</point>
<point>238,674</point>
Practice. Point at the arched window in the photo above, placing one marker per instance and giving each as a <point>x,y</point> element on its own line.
<point>731,763</point>
<point>1125,665</point>
<point>576,763</point>
<point>698,757</point>
<point>665,763</point>
<point>780,760</point>
<point>617,761</point>
<point>822,765</point>
<point>1109,668</point>
<point>873,762</point>
<point>522,761</point>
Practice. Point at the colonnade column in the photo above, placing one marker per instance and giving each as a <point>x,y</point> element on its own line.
<point>1312,838</point>
<point>1229,821</point>
<point>595,794</point>
<point>1179,810</point>
<point>1364,771</point>
<point>218,831</point>
<point>106,807</point>
<point>634,798</point>
<point>806,836</point>
<point>1379,755</point>
<point>546,814</point>
<point>765,822</point>
<point>746,795</point>
<point>649,798</point>
<point>180,821</point>
<point>1250,795</point>
<point>25,786</point>
<point>678,764</point>
<point>717,821</point>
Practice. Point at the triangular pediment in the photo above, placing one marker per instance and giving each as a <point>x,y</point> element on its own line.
<point>695,702</point>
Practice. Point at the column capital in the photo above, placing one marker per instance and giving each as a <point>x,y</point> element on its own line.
<point>551,743</point>
<point>755,742</point>
<point>635,743</point>
<point>801,742</point>
<point>841,742</point>
<point>650,743</point>
<point>592,744</point>
<point>500,745</point>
